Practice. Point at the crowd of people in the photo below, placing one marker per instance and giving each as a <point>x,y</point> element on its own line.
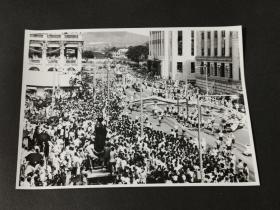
<point>62,145</point>
<point>227,110</point>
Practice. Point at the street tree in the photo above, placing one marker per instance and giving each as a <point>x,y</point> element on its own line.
<point>137,53</point>
<point>109,51</point>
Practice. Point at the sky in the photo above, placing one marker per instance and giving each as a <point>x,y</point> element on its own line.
<point>142,31</point>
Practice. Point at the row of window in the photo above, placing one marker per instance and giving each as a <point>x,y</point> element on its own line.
<point>36,52</point>
<point>206,50</point>
<point>180,67</point>
<point>157,42</point>
<point>205,46</point>
<point>215,70</point>
<point>180,43</point>
<point>212,70</point>
<point>50,69</point>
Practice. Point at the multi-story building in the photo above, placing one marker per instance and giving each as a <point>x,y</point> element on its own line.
<point>217,61</point>
<point>52,59</point>
<point>188,53</point>
<point>174,52</point>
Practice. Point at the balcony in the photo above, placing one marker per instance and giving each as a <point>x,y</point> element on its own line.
<point>71,36</point>
<point>35,60</point>
<point>52,60</point>
<point>214,58</point>
<point>54,36</point>
<point>71,61</point>
<point>37,35</point>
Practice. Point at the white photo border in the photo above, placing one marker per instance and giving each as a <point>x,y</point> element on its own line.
<point>23,94</point>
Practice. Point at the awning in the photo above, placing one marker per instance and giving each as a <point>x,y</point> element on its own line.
<point>35,45</point>
<point>31,88</point>
<point>71,45</point>
<point>240,92</point>
<point>53,45</point>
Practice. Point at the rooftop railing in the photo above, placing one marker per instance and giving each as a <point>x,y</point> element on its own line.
<point>71,61</point>
<point>71,36</point>
<point>37,35</point>
<point>57,36</point>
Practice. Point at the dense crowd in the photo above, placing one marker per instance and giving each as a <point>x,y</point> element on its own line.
<point>60,145</point>
<point>231,116</point>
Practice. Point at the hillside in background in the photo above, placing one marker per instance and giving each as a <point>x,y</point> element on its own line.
<point>101,40</point>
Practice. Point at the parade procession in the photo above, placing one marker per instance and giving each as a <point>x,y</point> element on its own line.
<point>159,113</point>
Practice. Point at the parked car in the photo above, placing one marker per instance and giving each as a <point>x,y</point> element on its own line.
<point>248,150</point>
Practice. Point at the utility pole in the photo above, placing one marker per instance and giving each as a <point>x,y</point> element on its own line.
<point>187,99</point>
<point>108,81</point>
<point>94,82</point>
<point>199,142</point>
<point>178,109</point>
<point>199,133</point>
<point>206,77</point>
<point>141,117</point>
<point>53,89</point>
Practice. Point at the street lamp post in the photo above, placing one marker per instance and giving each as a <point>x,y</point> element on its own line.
<point>94,82</point>
<point>108,81</point>
<point>187,100</point>
<point>53,89</point>
<point>199,142</point>
<point>178,107</point>
<point>141,117</point>
<point>141,104</point>
<point>206,78</point>
<point>55,85</point>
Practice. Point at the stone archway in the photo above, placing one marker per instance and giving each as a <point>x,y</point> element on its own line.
<point>52,69</point>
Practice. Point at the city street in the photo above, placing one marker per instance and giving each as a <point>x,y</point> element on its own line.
<point>168,123</point>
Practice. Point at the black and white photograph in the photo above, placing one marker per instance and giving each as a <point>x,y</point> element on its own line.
<point>135,107</point>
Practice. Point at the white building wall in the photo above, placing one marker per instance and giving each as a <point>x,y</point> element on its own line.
<point>235,57</point>
<point>167,53</point>
<point>43,77</point>
<point>165,66</point>
<point>174,54</point>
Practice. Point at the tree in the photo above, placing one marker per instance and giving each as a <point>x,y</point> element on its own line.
<point>88,54</point>
<point>109,51</point>
<point>153,66</point>
<point>137,53</point>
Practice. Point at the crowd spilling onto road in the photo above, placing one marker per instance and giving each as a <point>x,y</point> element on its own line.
<point>60,145</point>
<point>228,110</point>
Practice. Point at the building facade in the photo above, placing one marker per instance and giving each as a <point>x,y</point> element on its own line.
<point>52,59</point>
<point>188,53</point>
<point>217,61</point>
<point>174,50</point>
